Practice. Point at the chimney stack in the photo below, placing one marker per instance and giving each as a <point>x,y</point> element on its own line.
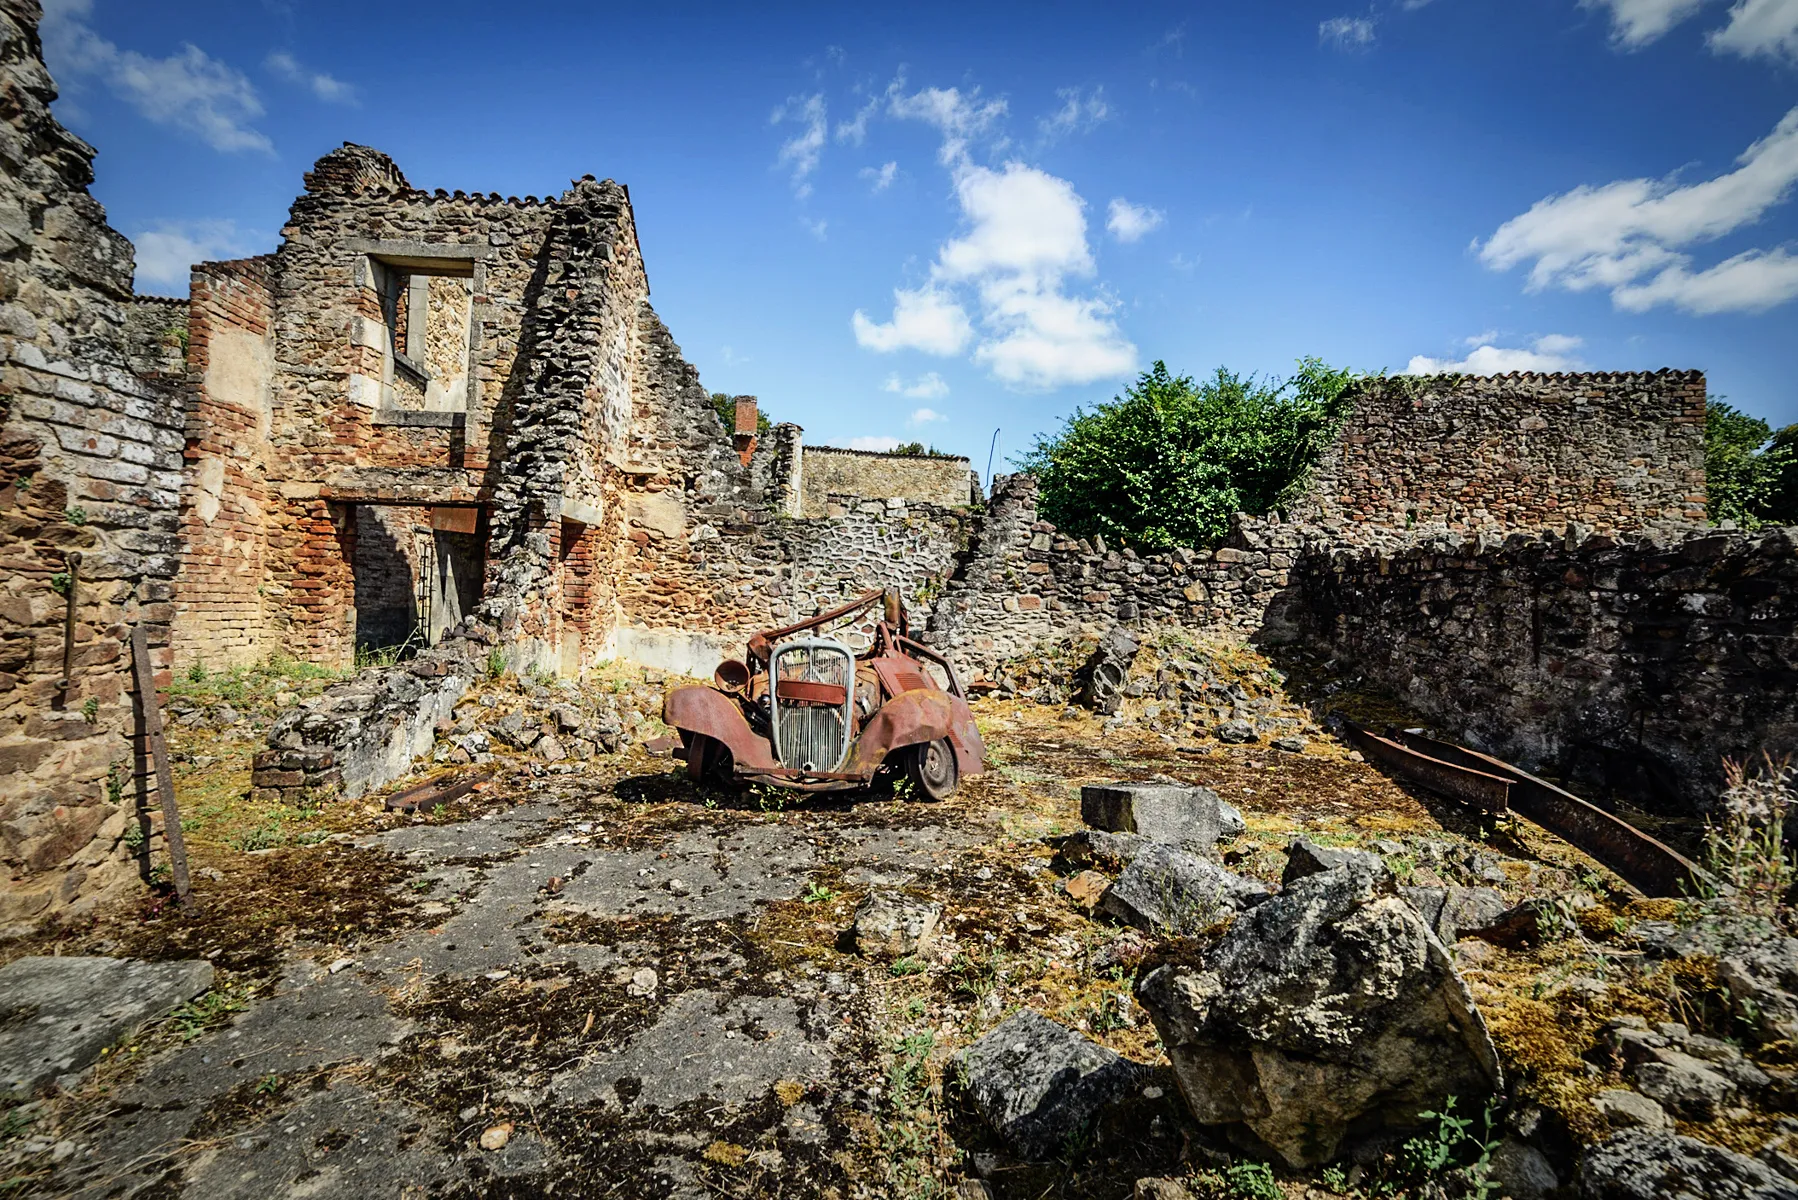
<point>743,438</point>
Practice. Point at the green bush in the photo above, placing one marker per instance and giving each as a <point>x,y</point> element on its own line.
<point>1751,472</point>
<point>1168,462</point>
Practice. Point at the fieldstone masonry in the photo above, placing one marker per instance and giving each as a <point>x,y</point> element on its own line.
<point>1637,661</point>
<point>1521,451</point>
<point>90,464</point>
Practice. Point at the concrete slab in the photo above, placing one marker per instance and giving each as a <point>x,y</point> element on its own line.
<point>57,1014</point>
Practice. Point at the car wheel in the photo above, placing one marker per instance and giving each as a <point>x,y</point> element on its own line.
<point>708,760</point>
<point>930,768</point>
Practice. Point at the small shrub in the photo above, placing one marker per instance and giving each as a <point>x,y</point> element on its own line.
<point>90,710</point>
<point>496,663</point>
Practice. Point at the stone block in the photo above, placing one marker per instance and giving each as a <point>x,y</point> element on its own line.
<point>1189,817</point>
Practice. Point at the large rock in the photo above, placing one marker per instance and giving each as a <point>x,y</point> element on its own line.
<point>1641,1164</point>
<point>1762,982</point>
<point>1305,857</point>
<point>1039,1084</point>
<point>1097,848</point>
<point>57,1014</point>
<point>1188,817</point>
<point>890,925</point>
<point>1452,911</point>
<point>1170,892</point>
<point>1332,1005</point>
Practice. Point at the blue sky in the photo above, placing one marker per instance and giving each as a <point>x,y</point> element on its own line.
<point>931,221</point>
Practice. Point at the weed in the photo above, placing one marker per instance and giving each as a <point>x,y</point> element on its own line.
<point>197,1016</point>
<point>75,515</point>
<point>768,799</point>
<point>269,1084</point>
<point>134,836</point>
<point>61,582</point>
<point>817,893</point>
<point>90,710</point>
<point>1745,848</point>
<point>115,784</point>
<point>1237,1181</point>
<point>197,672</point>
<point>916,1008</point>
<point>905,966</point>
<point>977,977</point>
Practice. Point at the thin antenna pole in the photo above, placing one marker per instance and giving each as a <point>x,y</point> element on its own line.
<point>989,460</point>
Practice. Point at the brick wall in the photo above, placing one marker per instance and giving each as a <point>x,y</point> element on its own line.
<point>828,470</point>
<point>226,503</point>
<point>1508,452</point>
<point>89,466</point>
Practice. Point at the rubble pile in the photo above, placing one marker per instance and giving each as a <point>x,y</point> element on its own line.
<point>557,722</point>
<point>1166,680</point>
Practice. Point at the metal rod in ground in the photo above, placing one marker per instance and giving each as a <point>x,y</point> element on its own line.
<point>149,710</point>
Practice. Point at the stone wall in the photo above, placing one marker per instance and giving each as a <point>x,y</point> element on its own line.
<point>156,338</point>
<point>1636,662</point>
<point>1025,583</point>
<point>1510,452</point>
<point>89,467</point>
<point>829,471</point>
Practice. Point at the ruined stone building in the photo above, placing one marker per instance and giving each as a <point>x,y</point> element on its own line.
<point>453,422</point>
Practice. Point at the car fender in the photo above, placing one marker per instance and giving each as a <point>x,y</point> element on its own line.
<point>920,715</point>
<point>700,709</point>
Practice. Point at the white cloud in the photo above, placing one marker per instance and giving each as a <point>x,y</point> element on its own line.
<point>815,226</point>
<point>1768,27</point>
<point>167,249</point>
<point>1129,222</point>
<point>881,443</point>
<point>1023,239</point>
<point>1750,282</point>
<point>1550,353</point>
<point>1077,113</point>
<point>1629,236</point>
<point>925,318</point>
<point>924,416</point>
<point>959,118</point>
<point>1636,23</point>
<point>321,85</point>
<point>855,130</point>
<point>803,149</point>
<point>189,91</point>
<point>1346,33</point>
<point>880,178</point>
<point>928,386</point>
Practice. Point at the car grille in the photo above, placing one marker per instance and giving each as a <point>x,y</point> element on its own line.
<point>811,736</point>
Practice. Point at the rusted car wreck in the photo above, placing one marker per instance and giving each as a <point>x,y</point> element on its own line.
<point>811,714</point>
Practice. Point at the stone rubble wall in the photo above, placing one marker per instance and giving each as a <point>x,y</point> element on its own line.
<point>90,464</point>
<point>830,470</point>
<point>1514,452</point>
<point>1025,583</point>
<point>1636,662</point>
<point>156,338</point>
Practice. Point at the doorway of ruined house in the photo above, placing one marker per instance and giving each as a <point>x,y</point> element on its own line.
<point>417,571</point>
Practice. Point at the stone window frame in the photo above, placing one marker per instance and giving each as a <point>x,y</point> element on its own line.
<point>417,259</point>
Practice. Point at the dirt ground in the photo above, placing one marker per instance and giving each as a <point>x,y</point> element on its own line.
<point>603,981</point>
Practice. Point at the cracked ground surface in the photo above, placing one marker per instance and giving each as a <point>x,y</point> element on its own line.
<point>606,982</point>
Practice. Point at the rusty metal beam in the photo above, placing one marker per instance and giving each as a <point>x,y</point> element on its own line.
<point>1643,861</point>
<point>1457,781</point>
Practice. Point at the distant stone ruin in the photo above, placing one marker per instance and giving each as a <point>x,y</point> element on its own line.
<point>451,426</point>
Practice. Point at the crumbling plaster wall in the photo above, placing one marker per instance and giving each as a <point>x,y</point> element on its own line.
<point>89,465</point>
<point>1636,662</point>
<point>1510,452</point>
